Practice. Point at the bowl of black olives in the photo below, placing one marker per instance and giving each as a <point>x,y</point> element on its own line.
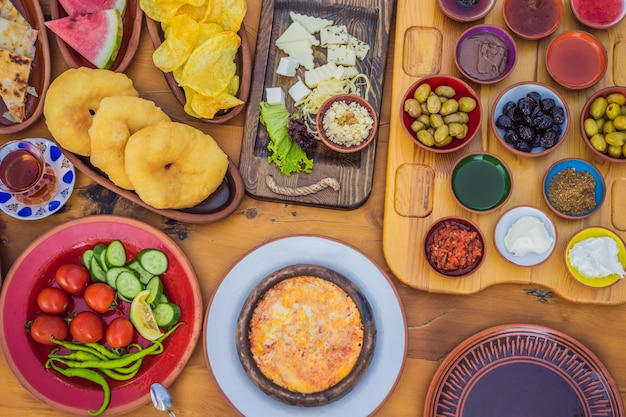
<point>530,119</point>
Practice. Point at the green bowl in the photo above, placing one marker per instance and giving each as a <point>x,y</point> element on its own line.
<point>481,182</point>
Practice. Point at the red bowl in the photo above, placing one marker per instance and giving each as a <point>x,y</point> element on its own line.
<point>599,15</point>
<point>462,89</point>
<point>576,59</point>
<point>532,21</point>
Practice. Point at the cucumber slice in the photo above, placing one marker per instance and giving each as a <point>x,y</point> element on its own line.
<point>96,272</point>
<point>162,299</point>
<point>99,252</point>
<point>153,261</point>
<point>166,315</point>
<point>144,276</point>
<point>112,274</point>
<point>87,255</point>
<point>155,288</point>
<point>115,254</point>
<point>128,285</point>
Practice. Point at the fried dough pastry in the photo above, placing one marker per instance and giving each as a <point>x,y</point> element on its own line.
<point>174,166</point>
<point>115,121</point>
<point>72,100</point>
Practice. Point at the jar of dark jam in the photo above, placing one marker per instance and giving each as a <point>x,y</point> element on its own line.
<point>532,19</point>
<point>466,10</point>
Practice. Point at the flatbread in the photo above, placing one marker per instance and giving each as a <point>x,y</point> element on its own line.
<point>17,37</point>
<point>14,74</point>
<point>9,12</point>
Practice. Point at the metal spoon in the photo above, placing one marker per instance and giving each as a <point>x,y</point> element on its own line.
<point>161,398</point>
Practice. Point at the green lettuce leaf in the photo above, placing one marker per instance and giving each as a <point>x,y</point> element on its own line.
<point>287,156</point>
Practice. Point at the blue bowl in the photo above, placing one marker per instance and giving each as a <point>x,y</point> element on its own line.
<point>577,165</point>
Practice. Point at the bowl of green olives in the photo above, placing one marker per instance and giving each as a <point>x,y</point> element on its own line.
<point>603,123</point>
<point>530,119</point>
<point>441,113</point>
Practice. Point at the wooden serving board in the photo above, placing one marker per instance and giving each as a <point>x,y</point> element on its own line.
<point>368,20</point>
<point>418,190</point>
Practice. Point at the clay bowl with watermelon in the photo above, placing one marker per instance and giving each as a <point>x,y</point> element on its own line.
<point>39,75</point>
<point>96,33</point>
<point>243,61</point>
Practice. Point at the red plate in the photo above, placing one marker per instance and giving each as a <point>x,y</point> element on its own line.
<point>34,270</point>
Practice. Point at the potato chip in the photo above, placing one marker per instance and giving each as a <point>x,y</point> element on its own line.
<point>208,30</point>
<point>211,66</point>
<point>197,13</point>
<point>227,13</point>
<point>160,10</point>
<point>208,107</point>
<point>181,38</point>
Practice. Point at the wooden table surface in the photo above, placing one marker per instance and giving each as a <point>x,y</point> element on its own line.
<point>436,322</point>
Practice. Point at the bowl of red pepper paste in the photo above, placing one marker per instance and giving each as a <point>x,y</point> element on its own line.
<point>454,247</point>
<point>599,14</point>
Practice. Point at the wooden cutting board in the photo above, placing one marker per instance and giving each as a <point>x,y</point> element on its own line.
<point>418,190</point>
<point>368,20</point>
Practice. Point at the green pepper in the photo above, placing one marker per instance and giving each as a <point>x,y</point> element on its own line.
<point>89,375</point>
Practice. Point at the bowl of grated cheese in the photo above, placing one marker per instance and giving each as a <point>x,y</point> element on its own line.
<point>346,123</point>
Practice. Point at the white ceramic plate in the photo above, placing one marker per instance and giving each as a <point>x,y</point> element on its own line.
<point>65,175</point>
<point>228,299</point>
<point>504,224</point>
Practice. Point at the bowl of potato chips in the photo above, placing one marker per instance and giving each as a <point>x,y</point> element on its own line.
<point>204,54</point>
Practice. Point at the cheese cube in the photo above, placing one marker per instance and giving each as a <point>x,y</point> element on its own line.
<point>274,95</point>
<point>341,55</point>
<point>299,91</point>
<point>334,35</point>
<point>360,48</point>
<point>287,66</point>
<point>296,32</point>
<point>310,23</point>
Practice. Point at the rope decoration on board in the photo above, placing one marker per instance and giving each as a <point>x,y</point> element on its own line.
<point>301,191</point>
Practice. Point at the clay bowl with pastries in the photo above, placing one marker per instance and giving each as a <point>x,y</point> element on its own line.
<point>131,34</point>
<point>309,295</point>
<point>243,62</point>
<point>37,73</point>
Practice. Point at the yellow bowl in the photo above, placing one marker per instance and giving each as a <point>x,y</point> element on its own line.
<point>589,233</point>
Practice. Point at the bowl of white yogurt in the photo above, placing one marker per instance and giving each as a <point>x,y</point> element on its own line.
<point>525,236</point>
<point>596,257</point>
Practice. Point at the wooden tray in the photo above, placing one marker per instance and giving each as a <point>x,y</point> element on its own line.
<point>369,20</point>
<point>418,190</point>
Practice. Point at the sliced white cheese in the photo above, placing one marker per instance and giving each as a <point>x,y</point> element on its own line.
<point>341,55</point>
<point>299,91</point>
<point>334,35</point>
<point>322,73</point>
<point>287,66</point>
<point>274,95</point>
<point>344,73</point>
<point>360,48</point>
<point>300,50</point>
<point>296,32</point>
<point>310,23</point>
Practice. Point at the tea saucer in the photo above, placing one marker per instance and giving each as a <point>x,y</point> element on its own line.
<point>65,176</point>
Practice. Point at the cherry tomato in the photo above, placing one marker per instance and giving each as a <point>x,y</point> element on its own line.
<point>45,327</point>
<point>73,278</point>
<point>53,300</point>
<point>87,327</point>
<point>100,297</point>
<point>120,333</point>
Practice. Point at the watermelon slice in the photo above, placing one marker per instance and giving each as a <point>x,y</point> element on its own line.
<point>75,7</point>
<point>96,36</point>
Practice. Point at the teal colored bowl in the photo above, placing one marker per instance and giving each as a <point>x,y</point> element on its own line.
<point>577,165</point>
<point>481,182</point>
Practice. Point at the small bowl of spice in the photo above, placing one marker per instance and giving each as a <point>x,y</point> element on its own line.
<point>532,19</point>
<point>466,10</point>
<point>603,123</point>
<point>441,113</point>
<point>525,236</point>
<point>530,119</point>
<point>599,14</point>
<point>454,247</point>
<point>596,257</point>
<point>346,123</point>
<point>573,188</point>
<point>485,54</point>
<point>481,182</point>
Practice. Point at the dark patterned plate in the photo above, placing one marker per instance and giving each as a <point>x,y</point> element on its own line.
<point>524,371</point>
